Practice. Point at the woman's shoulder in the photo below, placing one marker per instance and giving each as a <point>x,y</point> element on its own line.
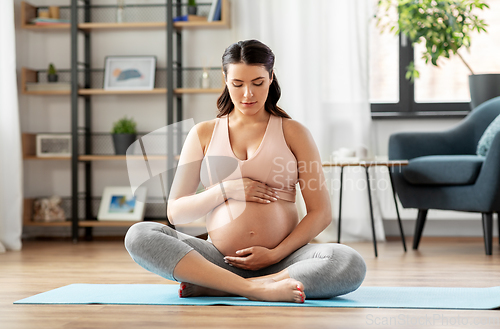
<point>296,134</point>
<point>204,130</point>
<point>294,129</point>
<point>204,127</point>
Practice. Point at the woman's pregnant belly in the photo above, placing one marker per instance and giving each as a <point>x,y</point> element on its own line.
<point>237,225</point>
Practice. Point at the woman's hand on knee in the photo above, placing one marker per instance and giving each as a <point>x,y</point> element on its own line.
<point>253,258</point>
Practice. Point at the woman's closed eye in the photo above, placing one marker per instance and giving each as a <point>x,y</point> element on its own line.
<point>255,84</point>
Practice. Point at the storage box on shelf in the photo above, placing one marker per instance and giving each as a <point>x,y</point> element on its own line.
<point>29,149</point>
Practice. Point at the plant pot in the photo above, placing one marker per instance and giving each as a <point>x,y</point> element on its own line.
<point>121,142</point>
<point>483,87</point>
<point>192,10</point>
<point>52,77</point>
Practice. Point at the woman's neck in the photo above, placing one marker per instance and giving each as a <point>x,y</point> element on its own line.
<point>237,116</point>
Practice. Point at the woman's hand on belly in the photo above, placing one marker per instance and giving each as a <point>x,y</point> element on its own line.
<point>253,258</point>
<point>246,189</point>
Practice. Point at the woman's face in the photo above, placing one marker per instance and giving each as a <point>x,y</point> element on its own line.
<point>248,87</point>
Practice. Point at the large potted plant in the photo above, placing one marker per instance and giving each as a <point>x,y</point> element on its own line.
<point>445,26</point>
<point>124,134</point>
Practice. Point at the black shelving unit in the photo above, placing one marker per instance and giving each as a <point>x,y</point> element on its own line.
<point>86,65</point>
<point>87,81</point>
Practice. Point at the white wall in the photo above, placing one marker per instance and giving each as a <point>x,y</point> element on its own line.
<point>201,47</point>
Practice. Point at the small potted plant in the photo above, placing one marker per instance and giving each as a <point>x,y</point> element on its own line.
<point>445,26</point>
<point>192,8</point>
<point>52,73</point>
<point>124,134</point>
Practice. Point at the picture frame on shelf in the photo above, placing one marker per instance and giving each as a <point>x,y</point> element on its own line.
<point>129,72</point>
<point>119,203</point>
<point>53,145</point>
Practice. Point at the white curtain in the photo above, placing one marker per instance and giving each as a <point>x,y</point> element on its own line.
<point>321,49</point>
<point>11,195</point>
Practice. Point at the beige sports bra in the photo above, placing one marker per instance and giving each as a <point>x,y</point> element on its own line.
<point>273,163</point>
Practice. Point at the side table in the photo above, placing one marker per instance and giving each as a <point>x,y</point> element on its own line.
<point>367,164</point>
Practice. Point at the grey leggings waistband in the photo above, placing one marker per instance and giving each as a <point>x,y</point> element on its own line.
<point>326,270</point>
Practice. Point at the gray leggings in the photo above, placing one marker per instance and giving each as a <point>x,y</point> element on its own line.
<point>326,270</point>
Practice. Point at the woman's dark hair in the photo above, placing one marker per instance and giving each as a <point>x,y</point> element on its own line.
<point>251,52</point>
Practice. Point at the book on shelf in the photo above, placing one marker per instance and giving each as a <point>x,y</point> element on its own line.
<point>218,11</point>
<point>213,10</point>
<point>49,21</point>
<point>49,86</point>
<point>190,18</point>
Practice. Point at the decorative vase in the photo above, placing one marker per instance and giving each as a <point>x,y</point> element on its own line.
<point>121,142</point>
<point>119,11</point>
<point>205,80</point>
<point>483,87</point>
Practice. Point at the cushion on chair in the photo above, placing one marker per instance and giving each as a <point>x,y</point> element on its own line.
<point>487,138</point>
<point>443,169</point>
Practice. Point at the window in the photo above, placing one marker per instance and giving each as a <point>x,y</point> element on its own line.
<point>440,91</point>
<point>384,58</point>
<point>449,82</point>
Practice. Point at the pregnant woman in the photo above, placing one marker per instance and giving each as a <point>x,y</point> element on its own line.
<point>249,160</point>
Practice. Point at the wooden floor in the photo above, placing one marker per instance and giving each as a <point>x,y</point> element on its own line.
<point>43,265</point>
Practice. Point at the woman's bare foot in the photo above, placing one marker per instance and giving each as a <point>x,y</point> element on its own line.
<point>187,289</point>
<point>287,290</point>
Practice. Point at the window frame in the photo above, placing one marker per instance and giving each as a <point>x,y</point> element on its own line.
<point>407,108</point>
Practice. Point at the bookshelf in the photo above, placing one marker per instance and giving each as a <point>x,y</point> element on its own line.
<point>173,88</point>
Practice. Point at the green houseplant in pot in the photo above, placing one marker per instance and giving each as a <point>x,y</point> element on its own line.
<point>192,8</point>
<point>52,73</point>
<point>445,26</point>
<point>124,134</point>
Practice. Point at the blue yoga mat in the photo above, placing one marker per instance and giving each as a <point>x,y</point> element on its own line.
<point>364,297</point>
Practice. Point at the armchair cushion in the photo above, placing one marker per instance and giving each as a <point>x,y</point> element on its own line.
<point>443,169</point>
<point>485,141</point>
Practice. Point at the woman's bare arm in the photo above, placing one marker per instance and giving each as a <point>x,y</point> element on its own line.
<point>313,187</point>
<point>184,205</point>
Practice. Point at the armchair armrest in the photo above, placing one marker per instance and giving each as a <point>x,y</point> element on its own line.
<point>409,145</point>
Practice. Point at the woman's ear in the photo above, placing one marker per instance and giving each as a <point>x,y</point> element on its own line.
<point>224,74</point>
<point>272,77</point>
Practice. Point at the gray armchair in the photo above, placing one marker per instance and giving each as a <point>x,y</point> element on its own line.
<point>445,173</point>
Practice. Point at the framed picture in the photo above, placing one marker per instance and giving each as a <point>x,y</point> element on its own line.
<point>119,203</point>
<point>129,72</point>
<point>53,145</point>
